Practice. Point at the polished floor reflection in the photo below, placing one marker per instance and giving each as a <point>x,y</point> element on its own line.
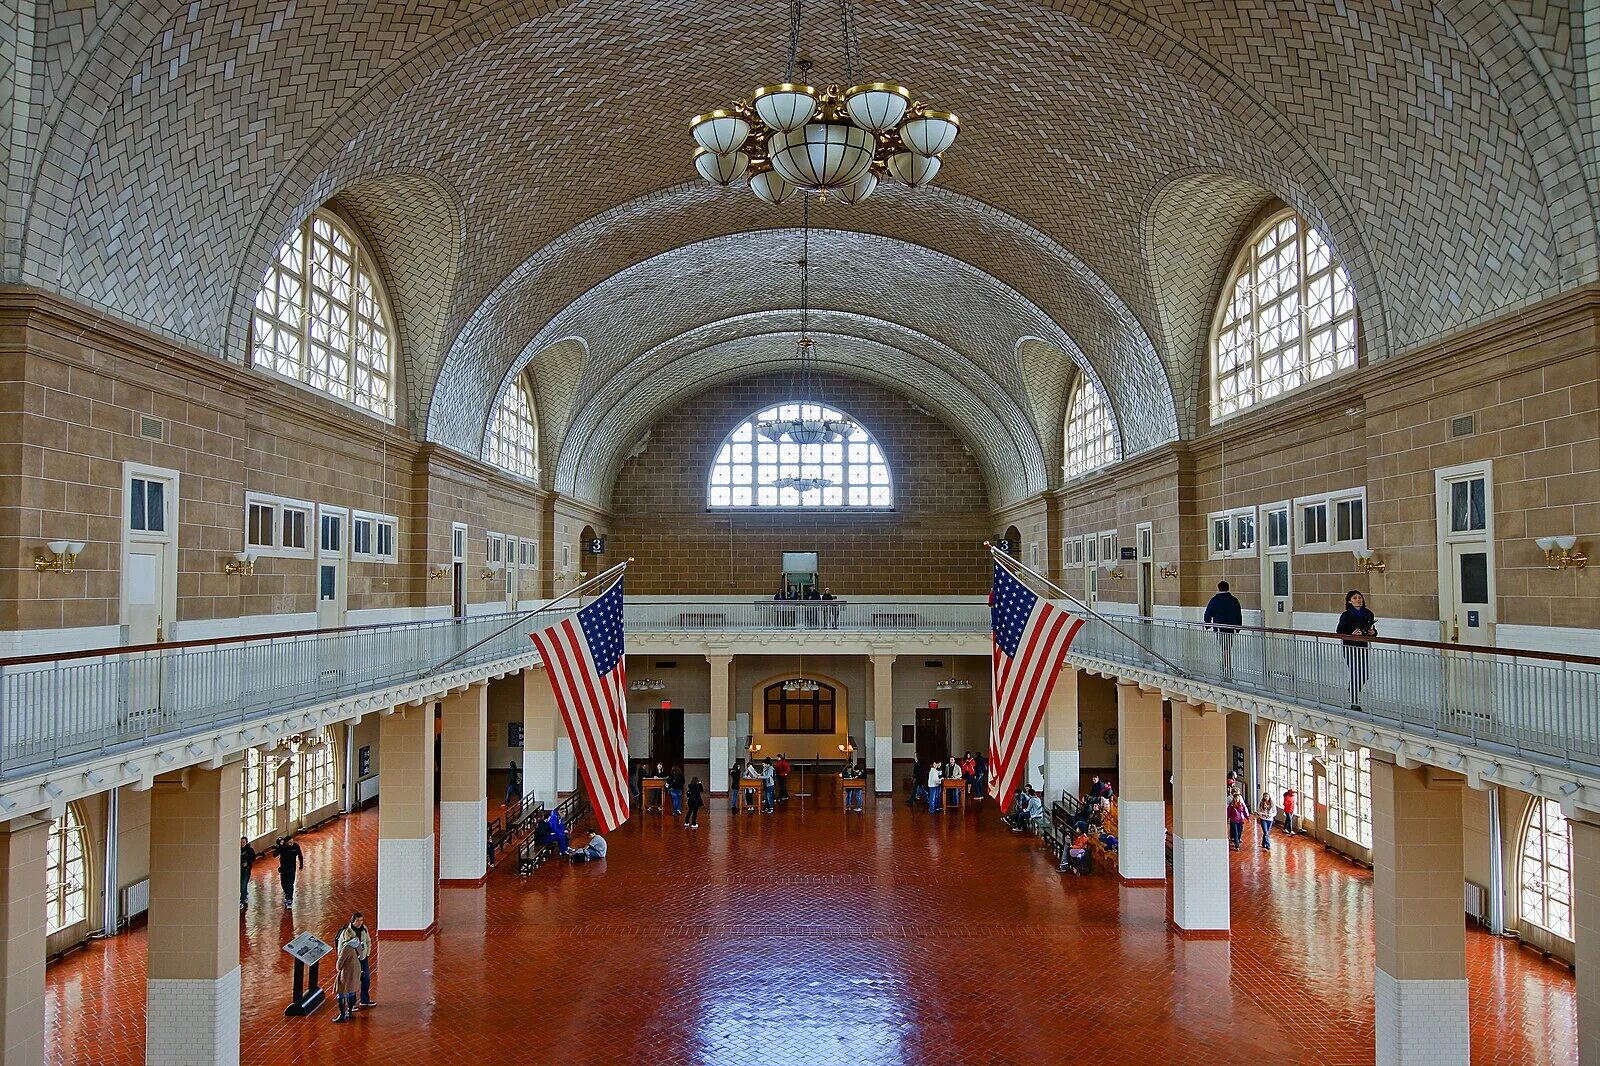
<point>812,937</point>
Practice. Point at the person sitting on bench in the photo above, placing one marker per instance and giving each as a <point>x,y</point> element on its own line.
<point>1076,858</point>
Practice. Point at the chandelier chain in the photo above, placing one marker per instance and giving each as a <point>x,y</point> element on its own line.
<point>794,37</point>
<point>851,44</point>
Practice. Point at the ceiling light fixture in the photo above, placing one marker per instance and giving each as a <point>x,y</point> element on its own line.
<point>846,140</point>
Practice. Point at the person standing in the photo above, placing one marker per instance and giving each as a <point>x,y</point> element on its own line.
<point>935,779</point>
<point>291,860</point>
<point>1238,814</point>
<point>1225,615</point>
<point>1291,820</point>
<point>735,770</point>
<point>919,786</point>
<point>247,859</point>
<point>783,776</point>
<point>1358,622</point>
<point>346,977</point>
<point>513,784</point>
<point>675,788</point>
<point>769,785</point>
<point>693,796</point>
<point>1266,812</point>
<point>981,769</point>
<point>357,933</point>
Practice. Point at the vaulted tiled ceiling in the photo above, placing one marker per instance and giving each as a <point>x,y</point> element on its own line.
<point>512,161</point>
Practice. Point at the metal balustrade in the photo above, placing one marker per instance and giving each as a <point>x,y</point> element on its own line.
<point>970,616</point>
<point>1534,704</point>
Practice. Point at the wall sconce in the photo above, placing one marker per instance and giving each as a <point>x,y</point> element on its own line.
<point>438,573</point>
<point>1559,554</point>
<point>848,749</point>
<point>1168,570</point>
<point>1368,563</point>
<point>63,557</point>
<point>243,563</point>
<point>490,572</point>
<point>1117,572</point>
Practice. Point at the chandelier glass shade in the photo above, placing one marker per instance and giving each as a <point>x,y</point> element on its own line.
<point>824,140</point>
<point>953,684</point>
<point>646,684</point>
<point>800,684</point>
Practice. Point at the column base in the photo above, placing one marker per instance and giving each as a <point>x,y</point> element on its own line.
<point>1142,841</point>
<point>409,934</point>
<point>1421,1022</point>
<point>462,828</point>
<point>539,776</point>
<point>1200,887</point>
<point>192,1020</point>
<point>883,765</point>
<point>406,885</point>
<point>1198,934</point>
<point>1062,772</point>
<point>1141,882</point>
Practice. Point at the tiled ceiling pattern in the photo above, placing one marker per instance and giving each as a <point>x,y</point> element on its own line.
<point>167,147</point>
<point>1047,369</point>
<point>995,428</point>
<point>555,372</point>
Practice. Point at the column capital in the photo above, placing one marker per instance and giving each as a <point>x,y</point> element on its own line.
<point>716,658</point>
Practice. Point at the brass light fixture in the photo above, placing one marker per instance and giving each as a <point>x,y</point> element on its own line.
<point>438,573</point>
<point>63,557</point>
<point>794,136</point>
<point>1117,572</point>
<point>1169,570</point>
<point>1560,553</point>
<point>1368,563</point>
<point>242,563</point>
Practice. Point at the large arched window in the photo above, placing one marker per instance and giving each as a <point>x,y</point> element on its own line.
<point>751,471</point>
<point>1288,317</point>
<point>791,709</point>
<point>66,873</point>
<point>321,317</point>
<point>1547,869</point>
<point>513,442</point>
<point>1091,436</point>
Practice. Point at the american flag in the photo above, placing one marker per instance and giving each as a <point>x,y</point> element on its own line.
<point>1030,637</point>
<point>585,660</point>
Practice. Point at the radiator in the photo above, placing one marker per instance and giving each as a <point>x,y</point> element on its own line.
<point>367,791</point>
<point>1477,901</point>
<point>135,900</point>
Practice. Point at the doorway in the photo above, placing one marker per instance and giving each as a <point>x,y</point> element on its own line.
<point>513,569</point>
<point>1277,593</point>
<point>1144,534</point>
<point>666,736</point>
<point>458,569</point>
<point>150,553</point>
<point>332,576</point>
<point>933,734</point>
<point>1466,555</point>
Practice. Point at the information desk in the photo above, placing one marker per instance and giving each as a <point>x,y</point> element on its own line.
<point>799,614</point>
<point>952,793</point>
<point>750,789</point>
<point>657,785</point>
<point>847,785</point>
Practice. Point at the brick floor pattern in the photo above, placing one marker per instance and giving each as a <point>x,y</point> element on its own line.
<point>812,938</point>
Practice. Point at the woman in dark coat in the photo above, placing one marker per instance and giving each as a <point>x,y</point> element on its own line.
<point>1356,621</point>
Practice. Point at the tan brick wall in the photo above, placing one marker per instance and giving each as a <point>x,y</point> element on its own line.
<point>931,543</point>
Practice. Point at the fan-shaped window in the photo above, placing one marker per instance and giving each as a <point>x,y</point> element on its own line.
<point>1091,436</point>
<point>513,443</point>
<point>66,873</point>
<point>1288,317</point>
<point>1547,869</point>
<point>753,470</point>
<point>321,317</point>
<point>800,709</point>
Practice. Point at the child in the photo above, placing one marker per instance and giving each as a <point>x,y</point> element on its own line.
<point>347,981</point>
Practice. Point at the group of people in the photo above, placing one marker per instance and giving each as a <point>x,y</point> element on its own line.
<point>1027,809</point>
<point>1357,625</point>
<point>1265,814</point>
<point>927,780</point>
<point>773,773</point>
<point>552,832</point>
<point>291,860</point>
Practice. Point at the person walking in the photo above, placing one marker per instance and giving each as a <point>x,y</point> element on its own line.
<point>675,788</point>
<point>1291,820</point>
<point>247,859</point>
<point>356,932</point>
<point>347,976</point>
<point>1238,814</point>
<point>981,773</point>
<point>1266,812</point>
<point>291,860</point>
<point>919,788</point>
<point>693,797</point>
<point>1357,622</point>
<point>1225,615</point>
<point>513,784</point>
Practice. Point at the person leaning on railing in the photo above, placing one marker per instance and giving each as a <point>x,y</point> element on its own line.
<point>1356,621</point>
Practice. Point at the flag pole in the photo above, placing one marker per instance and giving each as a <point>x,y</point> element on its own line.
<point>576,590</point>
<point>1008,562</point>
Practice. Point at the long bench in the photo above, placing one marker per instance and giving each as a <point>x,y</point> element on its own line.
<point>573,811</point>
<point>512,828</point>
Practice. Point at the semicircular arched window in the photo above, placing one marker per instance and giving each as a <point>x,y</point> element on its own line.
<point>512,440</point>
<point>1091,435</point>
<point>1288,317</point>
<point>1547,868</point>
<point>66,873</point>
<point>322,319</point>
<point>751,471</point>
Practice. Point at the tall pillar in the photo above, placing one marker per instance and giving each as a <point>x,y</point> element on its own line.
<point>192,988</point>
<point>1420,989</point>
<point>1199,822</point>
<point>1062,762</point>
<point>883,721</point>
<point>538,736</point>
<point>566,761</point>
<point>721,706</point>
<point>464,785</point>
<point>405,824</point>
<point>1586,933</point>
<point>24,843</point>
<point>1141,802</point>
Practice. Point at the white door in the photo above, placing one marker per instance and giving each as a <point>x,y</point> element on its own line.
<point>1277,585</point>
<point>513,567</point>
<point>1145,536</point>
<point>1466,585</point>
<point>332,578</point>
<point>149,572</point>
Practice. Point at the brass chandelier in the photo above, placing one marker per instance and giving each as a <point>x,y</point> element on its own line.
<point>795,137</point>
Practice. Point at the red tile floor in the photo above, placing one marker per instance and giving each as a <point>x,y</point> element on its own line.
<point>813,937</point>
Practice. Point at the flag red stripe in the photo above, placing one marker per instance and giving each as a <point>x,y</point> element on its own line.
<point>1022,689</point>
<point>579,671</point>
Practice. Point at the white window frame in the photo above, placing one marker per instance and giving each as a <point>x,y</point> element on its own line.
<point>280,506</point>
<point>374,521</point>
<point>1264,526</point>
<point>1330,501</point>
<point>1108,538</point>
<point>1233,523</point>
<point>1071,551</point>
<point>458,542</point>
<point>494,546</point>
<point>1091,549</point>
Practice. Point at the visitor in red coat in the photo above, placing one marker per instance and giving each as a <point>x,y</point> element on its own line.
<point>1291,805</point>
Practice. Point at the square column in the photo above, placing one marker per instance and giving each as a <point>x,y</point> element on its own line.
<point>721,707</point>
<point>538,736</point>
<point>1420,988</point>
<point>405,824</point>
<point>1199,822</point>
<point>24,843</point>
<point>1141,802</point>
<point>192,991</point>
<point>464,785</point>
<point>1586,933</point>
<point>883,722</point>
<point>1062,761</point>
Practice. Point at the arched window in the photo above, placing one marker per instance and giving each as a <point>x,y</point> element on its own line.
<point>321,317</point>
<point>1288,317</point>
<point>1547,869</point>
<point>751,471</point>
<point>1091,436</point>
<point>1350,795</point>
<point>254,795</point>
<point>792,709</point>
<point>66,873</point>
<point>1289,766</point>
<point>513,442</point>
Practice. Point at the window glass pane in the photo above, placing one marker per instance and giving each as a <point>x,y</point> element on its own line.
<point>327,587</point>
<point>362,530</point>
<point>1280,578</point>
<point>1458,507</point>
<point>294,527</point>
<point>1245,528</point>
<point>385,539</point>
<point>136,512</point>
<point>758,462</point>
<point>1475,578</point>
<point>259,525</point>
<point>155,499</point>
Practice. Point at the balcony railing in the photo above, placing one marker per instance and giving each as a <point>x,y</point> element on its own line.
<point>1536,704</point>
<point>657,616</point>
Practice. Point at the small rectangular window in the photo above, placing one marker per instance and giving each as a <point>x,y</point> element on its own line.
<point>1314,524</point>
<point>332,540</point>
<point>1351,520</point>
<point>261,525</point>
<point>1278,527</point>
<point>361,537</point>
<point>147,505</point>
<point>1092,547</point>
<point>493,547</point>
<point>1467,508</point>
<point>386,540</point>
<point>458,543</point>
<point>295,521</point>
<point>1221,536</point>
